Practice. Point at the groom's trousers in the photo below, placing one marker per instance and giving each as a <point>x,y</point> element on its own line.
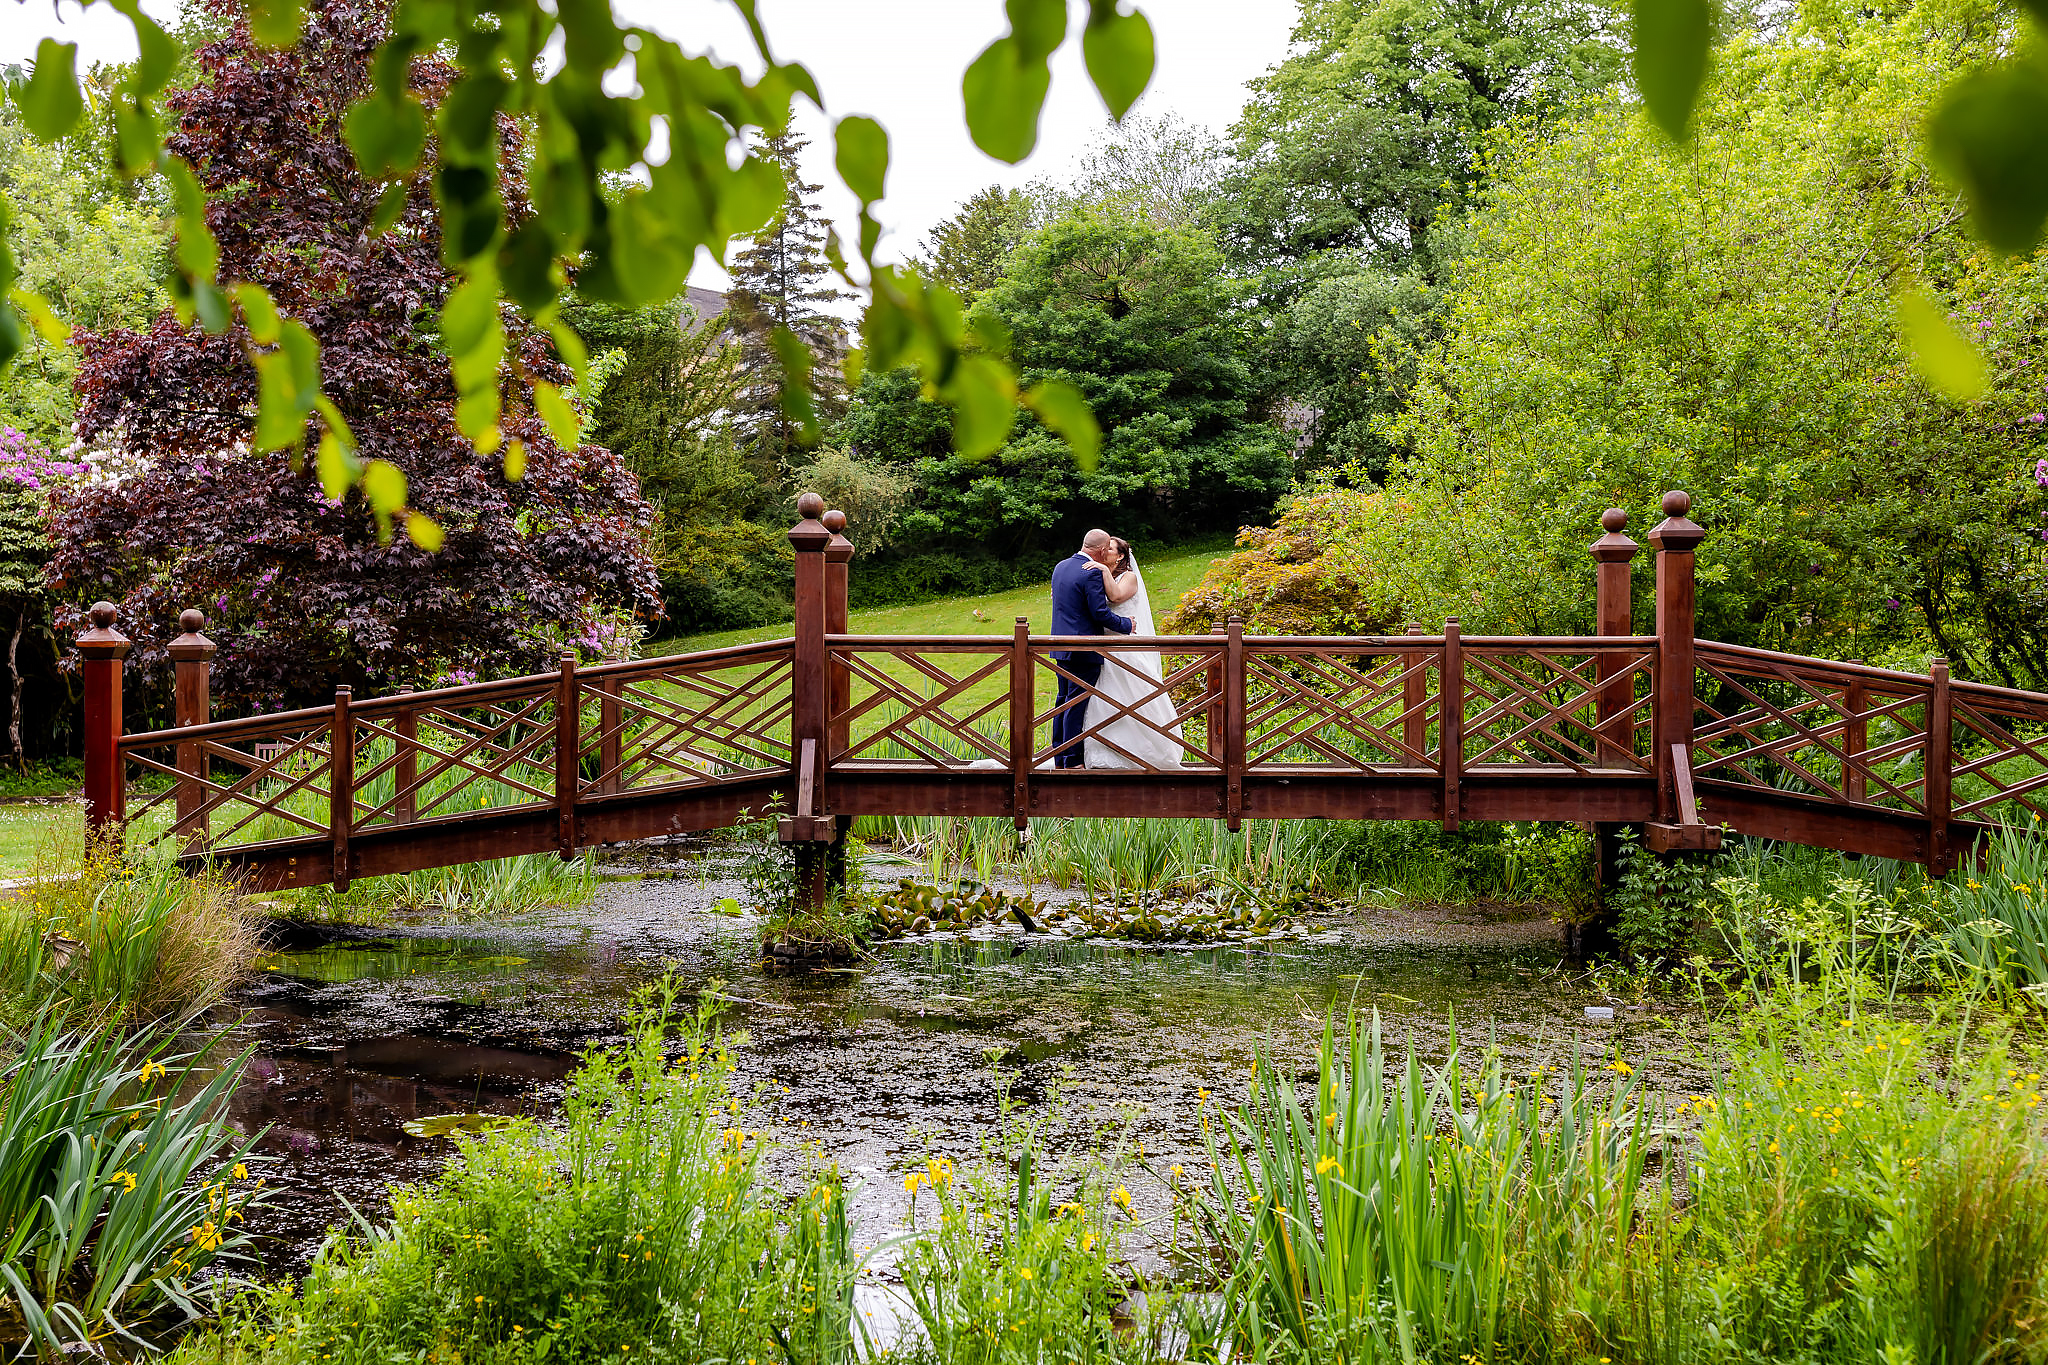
<point>1068,724</point>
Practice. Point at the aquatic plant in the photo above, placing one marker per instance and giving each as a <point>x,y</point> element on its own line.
<point>639,1227</point>
<point>121,1185</point>
<point>108,938</point>
<point>492,889</point>
<point>1399,1215</point>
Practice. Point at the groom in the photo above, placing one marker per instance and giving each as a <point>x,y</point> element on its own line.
<point>1080,606</point>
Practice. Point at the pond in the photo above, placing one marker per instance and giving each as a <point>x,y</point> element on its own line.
<point>359,1033</point>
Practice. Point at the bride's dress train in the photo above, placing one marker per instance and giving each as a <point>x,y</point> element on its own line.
<point>1128,742</point>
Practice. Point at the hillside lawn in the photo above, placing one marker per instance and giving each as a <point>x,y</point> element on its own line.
<point>1170,572</point>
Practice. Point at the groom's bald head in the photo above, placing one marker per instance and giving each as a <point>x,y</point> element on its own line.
<point>1095,541</point>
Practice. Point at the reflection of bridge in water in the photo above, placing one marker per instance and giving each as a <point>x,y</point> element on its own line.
<point>1677,735</point>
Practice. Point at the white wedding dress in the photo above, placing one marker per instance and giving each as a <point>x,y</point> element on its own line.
<point>1127,742</point>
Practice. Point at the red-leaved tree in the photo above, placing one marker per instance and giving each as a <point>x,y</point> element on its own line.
<point>302,593</point>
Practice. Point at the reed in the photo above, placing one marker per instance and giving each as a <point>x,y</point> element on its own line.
<point>121,1185</point>
<point>121,939</point>
<point>1404,1214</point>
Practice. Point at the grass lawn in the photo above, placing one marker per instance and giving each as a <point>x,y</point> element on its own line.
<point>1169,574</point>
<point>40,835</point>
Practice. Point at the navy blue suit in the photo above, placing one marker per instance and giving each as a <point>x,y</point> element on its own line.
<point>1080,606</point>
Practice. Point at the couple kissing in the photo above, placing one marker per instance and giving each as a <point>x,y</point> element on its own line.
<point>1100,591</point>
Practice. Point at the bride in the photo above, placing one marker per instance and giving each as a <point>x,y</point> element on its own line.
<point>1127,675</point>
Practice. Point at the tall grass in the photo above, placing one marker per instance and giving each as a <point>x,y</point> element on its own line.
<point>1854,1187</point>
<point>1406,1214</point>
<point>121,1184</point>
<point>639,1228</point>
<point>489,889</point>
<point>1117,858</point>
<point>134,939</point>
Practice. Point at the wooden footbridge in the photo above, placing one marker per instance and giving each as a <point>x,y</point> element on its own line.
<point>1680,736</point>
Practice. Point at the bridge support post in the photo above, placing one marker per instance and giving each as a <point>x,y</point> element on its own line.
<point>1614,615</point>
<point>192,666</point>
<point>838,685</point>
<point>808,828</point>
<point>1678,825</point>
<point>1415,703</point>
<point>101,650</point>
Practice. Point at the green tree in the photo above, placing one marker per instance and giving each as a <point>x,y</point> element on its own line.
<point>95,257</point>
<point>1355,147</point>
<point>1624,321</point>
<point>1138,318</point>
<point>968,251</point>
<point>781,287</point>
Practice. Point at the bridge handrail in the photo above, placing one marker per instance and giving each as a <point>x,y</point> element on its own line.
<point>724,654</point>
<point>1376,644</point>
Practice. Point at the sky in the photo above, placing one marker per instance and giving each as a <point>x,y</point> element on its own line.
<point>898,61</point>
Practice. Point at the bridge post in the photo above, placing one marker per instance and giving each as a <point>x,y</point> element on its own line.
<point>1675,539</point>
<point>192,666</point>
<point>405,764</point>
<point>568,753</point>
<point>838,683</point>
<point>1614,613</point>
<point>1234,708</point>
<point>1936,774</point>
<point>1023,730</point>
<point>101,650</point>
<point>809,715</point>
<point>341,785</point>
<point>1450,727</point>
<point>1415,701</point>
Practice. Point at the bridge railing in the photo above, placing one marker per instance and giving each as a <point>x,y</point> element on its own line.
<point>1679,734</point>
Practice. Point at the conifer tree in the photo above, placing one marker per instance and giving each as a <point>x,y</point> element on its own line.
<point>781,285</point>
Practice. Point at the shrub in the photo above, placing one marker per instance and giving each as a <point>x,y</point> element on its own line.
<point>117,1196</point>
<point>122,940</point>
<point>640,1228</point>
<point>726,576</point>
<point>1284,581</point>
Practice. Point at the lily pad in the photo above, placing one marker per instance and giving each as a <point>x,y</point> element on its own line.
<point>441,1125</point>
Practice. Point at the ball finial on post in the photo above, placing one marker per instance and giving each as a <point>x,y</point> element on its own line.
<point>1613,519</point>
<point>103,615</point>
<point>1677,503</point>
<point>191,621</point>
<point>835,521</point>
<point>809,505</point>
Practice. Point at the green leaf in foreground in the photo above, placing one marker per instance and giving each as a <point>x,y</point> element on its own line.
<point>1942,355</point>
<point>1066,414</point>
<point>49,100</point>
<point>275,23</point>
<point>1990,134</point>
<point>1005,88</point>
<point>1671,41</point>
<point>1119,52</point>
<point>862,156</point>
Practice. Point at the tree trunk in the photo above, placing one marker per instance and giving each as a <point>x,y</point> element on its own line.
<point>14,687</point>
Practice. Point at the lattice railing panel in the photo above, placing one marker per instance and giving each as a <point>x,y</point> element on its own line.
<point>453,752</point>
<point>1169,724</point>
<point>939,706</point>
<point>2000,754</point>
<point>685,722</point>
<point>249,782</point>
<point>1333,706</point>
<point>1540,706</point>
<point>1838,732</point>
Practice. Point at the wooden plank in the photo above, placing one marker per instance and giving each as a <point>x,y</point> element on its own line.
<point>1023,727</point>
<point>1936,787</point>
<point>1450,710</point>
<point>1855,738</point>
<point>1768,813</point>
<point>1681,772</point>
<point>1415,699</point>
<point>341,786</point>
